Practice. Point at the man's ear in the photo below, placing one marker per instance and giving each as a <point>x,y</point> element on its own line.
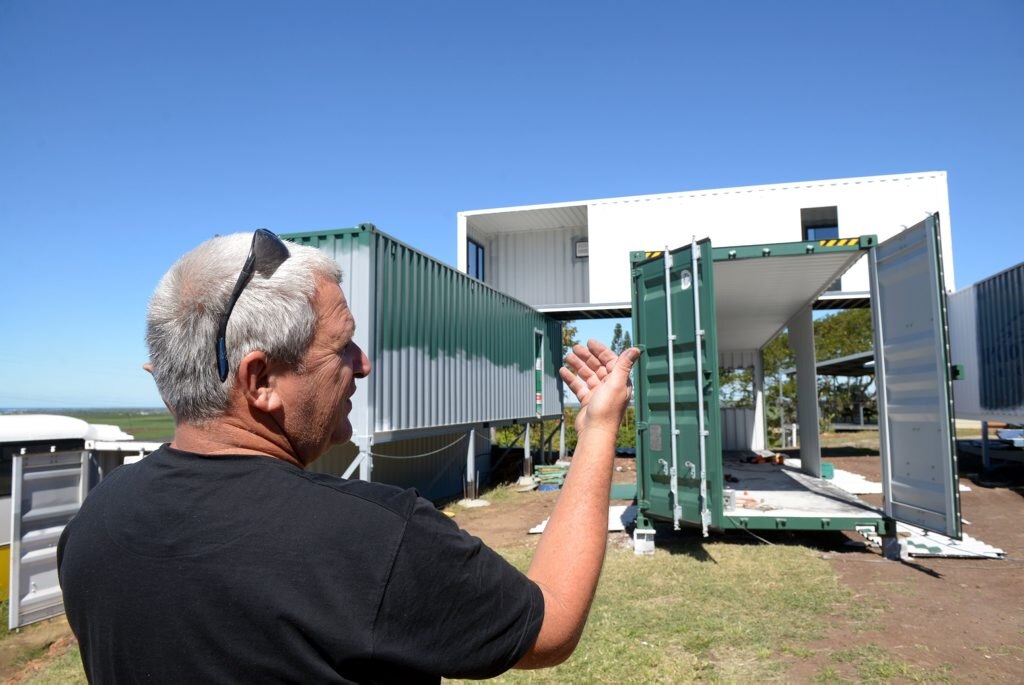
<point>148,368</point>
<point>254,380</point>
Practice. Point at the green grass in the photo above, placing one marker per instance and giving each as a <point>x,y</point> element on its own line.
<point>147,425</point>
<point>873,665</point>
<point>500,493</point>
<point>709,612</point>
<point>64,670</point>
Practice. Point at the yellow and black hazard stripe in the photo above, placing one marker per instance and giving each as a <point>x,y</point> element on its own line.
<point>839,242</point>
<point>652,255</point>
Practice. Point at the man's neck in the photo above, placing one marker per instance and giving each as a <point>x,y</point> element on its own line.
<point>229,435</point>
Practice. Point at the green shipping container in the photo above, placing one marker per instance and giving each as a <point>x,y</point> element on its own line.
<point>449,352</point>
<point>695,302</point>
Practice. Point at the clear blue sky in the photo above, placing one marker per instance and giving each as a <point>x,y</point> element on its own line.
<point>130,132</point>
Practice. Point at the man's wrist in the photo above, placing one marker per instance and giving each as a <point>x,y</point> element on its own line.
<point>599,432</point>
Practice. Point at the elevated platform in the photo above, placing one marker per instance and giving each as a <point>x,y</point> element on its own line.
<point>780,491</point>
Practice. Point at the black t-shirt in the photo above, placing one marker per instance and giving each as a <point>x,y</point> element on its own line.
<point>193,568</point>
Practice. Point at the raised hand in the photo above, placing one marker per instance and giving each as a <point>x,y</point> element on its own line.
<point>600,380</point>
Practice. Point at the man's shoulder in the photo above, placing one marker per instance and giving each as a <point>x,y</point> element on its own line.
<point>287,480</point>
<point>400,501</point>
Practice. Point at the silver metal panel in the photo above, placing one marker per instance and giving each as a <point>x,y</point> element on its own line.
<point>737,428</point>
<point>539,267</point>
<point>5,515</point>
<point>1003,359</point>
<point>912,370</point>
<point>48,489</point>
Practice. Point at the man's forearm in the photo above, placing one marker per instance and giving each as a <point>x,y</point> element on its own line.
<point>570,554</point>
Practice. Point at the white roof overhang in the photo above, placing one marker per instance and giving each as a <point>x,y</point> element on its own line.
<point>755,298</point>
<point>534,219</point>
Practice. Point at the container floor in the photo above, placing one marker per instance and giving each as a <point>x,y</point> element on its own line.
<point>780,491</point>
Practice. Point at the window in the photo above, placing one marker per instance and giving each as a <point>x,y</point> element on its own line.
<point>821,223</point>
<point>475,259</point>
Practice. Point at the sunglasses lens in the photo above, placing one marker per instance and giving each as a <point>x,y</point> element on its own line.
<point>268,250</point>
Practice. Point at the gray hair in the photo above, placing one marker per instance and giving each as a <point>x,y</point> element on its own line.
<point>274,314</point>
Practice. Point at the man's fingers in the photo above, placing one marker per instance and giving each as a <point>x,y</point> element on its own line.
<point>626,360</point>
<point>603,357</point>
<point>579,367</point>
<point>588,356</point>
<point>577,385</point>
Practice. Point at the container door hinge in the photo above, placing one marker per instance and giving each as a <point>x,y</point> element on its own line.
<point>642,425</point>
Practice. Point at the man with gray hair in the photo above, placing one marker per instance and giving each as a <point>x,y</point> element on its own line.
<point>219,558</point>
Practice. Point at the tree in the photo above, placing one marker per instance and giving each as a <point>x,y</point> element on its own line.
<point>621,340</point>
<point>837,335</point>
<point>842,334</point>
<point>616,345</point>
<point>569,333</point>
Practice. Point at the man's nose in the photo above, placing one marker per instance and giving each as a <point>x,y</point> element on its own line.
<point>362,366</point>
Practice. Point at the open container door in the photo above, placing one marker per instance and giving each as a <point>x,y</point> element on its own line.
<point>914,380</point>
<point>679,471</point>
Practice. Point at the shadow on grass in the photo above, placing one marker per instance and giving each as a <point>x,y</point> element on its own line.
<point>837,544</point>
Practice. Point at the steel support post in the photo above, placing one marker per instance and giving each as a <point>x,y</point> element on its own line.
<point>527,478</point>
<point>471,485</point>
<point>759,438</point>
<point>801,340</point>
<point>986,457</point>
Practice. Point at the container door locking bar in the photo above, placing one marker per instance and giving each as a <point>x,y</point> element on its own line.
<point>705,514</point>
<point>677,510</point>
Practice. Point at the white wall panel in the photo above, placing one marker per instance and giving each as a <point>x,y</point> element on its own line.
<point>882,205</point>
<point>737,428</point>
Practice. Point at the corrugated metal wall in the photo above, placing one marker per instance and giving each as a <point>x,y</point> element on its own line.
<point>737,428</point>
<point>986,322</point>
<point>539,267</point>
<point>350,248</point>
<point>447,349</point>
<point>1000,303</point>
<point>434,465</point>
<point>738,359</point>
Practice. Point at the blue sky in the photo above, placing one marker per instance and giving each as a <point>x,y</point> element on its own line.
<point>130,132</point>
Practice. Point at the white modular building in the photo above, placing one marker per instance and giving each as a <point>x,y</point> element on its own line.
<point>572,258</point>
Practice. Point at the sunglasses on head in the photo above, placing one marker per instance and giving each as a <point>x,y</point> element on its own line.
<point>266,253</point>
